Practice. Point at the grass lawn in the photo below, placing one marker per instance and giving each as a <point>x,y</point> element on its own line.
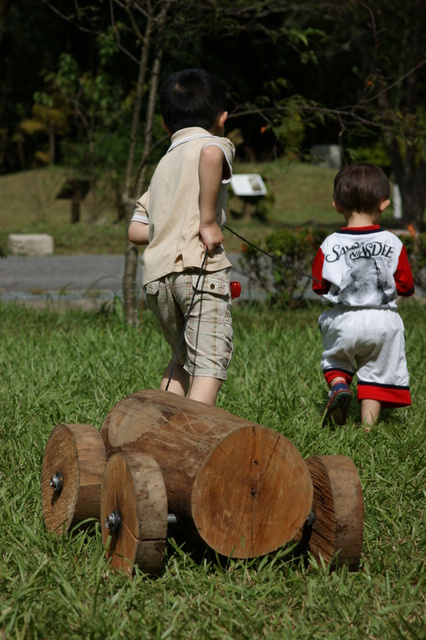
<point>298,194</point>
<point>73,368</point>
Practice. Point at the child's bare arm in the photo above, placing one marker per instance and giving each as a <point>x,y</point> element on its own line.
<point>210,175</point>
<point>138,232</point>
<point>139,228</point>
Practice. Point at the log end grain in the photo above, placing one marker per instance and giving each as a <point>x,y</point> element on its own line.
<point>133,488</point>
<point>252,494</point>
<point>77,452</point>
<point>337,531</point>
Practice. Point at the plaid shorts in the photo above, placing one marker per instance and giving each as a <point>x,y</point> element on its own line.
<point>207,345</point>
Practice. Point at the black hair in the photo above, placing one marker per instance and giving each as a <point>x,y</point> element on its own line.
<point>361,187</point>
<point>191,98</point>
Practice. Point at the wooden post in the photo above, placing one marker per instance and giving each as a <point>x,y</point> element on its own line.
<point>247,208</point>
<point>76,206</point>
<point>241,488</point>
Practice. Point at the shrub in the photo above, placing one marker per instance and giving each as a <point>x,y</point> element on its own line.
<point>282,267</point>
<point>415,245</point>
<point>281,264</point>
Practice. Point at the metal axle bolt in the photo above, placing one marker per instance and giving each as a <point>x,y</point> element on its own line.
<point>113,521</point>
<point>57,482</point>
<point>310,519</point>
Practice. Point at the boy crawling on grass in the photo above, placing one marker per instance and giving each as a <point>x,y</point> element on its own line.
<point>359,271</point>
<point>181,216</point>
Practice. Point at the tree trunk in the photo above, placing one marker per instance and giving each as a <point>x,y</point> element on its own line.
<point>127,204</point>
<point>132,193</point>
<point>52,145</point>
<point>129,284</point>
<point>413,193</point>
<point>125,209</point>
<point>405,148</point>
<point>242,489</point>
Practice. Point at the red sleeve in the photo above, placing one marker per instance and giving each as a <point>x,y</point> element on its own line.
<point>403,275</point>
<point>319,285</point>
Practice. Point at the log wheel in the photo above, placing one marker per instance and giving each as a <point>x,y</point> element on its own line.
<point>73,464</point>
<point>335,529</point>
<point>134,513</point>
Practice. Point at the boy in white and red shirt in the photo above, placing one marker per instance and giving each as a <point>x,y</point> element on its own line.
<point>359,271</point>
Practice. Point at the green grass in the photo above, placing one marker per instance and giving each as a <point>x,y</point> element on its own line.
<point>298,195</point>
<point>73,368</point>
<point>29,204</point>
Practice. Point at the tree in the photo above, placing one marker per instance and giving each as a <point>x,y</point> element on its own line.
<point>374,58</point>
<point>130,189</point>
<point>95,101</point>
<point>400,101</point>
<point>30,43</point>
<point>50,120</point>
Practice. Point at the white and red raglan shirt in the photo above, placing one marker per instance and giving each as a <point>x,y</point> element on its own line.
<point>362,267</point>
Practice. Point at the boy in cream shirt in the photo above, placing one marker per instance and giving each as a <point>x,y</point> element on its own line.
<point>180,217</point>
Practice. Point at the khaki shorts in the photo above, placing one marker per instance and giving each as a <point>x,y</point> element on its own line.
<point>206,348</point>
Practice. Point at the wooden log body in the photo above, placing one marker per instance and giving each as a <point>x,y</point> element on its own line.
<point>336,534</point>
<point>241,488</point>
<point>133,488</point>
<point>77,452</point>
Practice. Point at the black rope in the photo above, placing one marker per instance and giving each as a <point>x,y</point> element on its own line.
<point>270,255</point>
<point>186,319</point>
<point>276,258</point>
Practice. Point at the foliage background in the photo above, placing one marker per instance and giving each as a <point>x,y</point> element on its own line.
<point>297,75</point>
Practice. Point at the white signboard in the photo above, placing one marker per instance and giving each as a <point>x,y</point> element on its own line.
<point>248,184</point>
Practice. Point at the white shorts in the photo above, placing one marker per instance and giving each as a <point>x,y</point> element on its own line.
<point>370,343</point>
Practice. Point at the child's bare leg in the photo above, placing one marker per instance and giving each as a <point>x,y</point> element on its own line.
<point>204,389</point>
<point>370,411</point>
<point>336,381</point>
<point>179,381</point>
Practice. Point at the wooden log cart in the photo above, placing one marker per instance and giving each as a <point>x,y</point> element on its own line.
<point>240,488</point>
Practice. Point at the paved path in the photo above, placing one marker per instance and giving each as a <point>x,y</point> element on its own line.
<point>86,281</point>
<point>32,279</point>
<point>60,274</point>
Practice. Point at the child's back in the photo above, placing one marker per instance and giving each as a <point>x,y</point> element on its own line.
<point>174,216</point>
<point>359,271</point>
<point>186,273</point>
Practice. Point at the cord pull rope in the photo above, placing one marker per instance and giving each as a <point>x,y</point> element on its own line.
<point>275,258</point>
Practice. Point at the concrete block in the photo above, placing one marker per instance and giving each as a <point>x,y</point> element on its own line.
<point>30,244</point>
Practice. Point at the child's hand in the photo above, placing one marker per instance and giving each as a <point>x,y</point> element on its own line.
<point>211,236</point>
